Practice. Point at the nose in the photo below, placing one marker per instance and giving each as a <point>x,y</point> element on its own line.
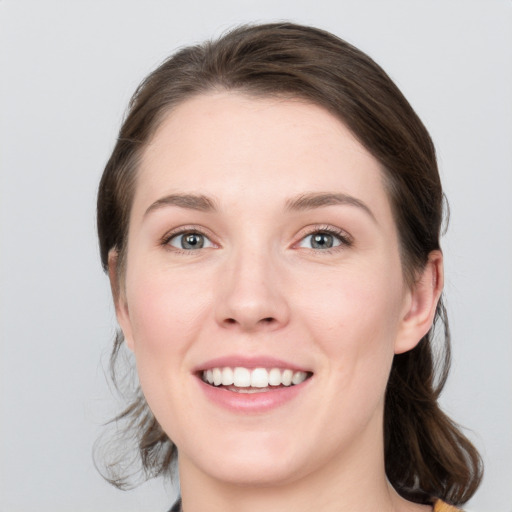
<point>252,295</point>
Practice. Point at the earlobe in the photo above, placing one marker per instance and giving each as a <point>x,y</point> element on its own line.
<point>119,297</point>
<point>421,308</point>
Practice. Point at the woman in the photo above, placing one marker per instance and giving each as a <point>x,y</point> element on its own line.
<point>270,221</point>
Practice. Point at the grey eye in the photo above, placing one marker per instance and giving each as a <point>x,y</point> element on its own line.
<point>190,241</point>
<point>320,240</point>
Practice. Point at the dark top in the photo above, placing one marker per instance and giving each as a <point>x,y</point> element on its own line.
<point>176,507</point>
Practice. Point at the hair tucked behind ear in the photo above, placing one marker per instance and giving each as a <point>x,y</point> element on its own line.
<point>426,454</point>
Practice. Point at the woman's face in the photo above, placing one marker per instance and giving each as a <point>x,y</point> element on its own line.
<point>262,246</point>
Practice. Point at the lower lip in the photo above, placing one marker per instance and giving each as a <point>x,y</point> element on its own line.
<point>261,402</point>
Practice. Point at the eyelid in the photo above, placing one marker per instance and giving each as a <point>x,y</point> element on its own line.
<point>181,230</point>
<point>346,240</point>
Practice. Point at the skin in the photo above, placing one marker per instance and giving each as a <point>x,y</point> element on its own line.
<point>259,288</point>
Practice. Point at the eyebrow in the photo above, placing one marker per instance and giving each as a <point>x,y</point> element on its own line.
<point>300,203</point>
<point>321,199</point>
<point>189,201</point>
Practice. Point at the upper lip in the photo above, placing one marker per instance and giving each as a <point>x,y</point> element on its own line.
<point>235,361</point>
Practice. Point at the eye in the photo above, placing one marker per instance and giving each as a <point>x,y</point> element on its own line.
<point>324,240</point>
<point>189,241</point>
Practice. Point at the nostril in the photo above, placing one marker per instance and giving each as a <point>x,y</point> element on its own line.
<point>265,321</point>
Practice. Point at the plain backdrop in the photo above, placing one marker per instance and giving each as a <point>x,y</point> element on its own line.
<point>67,70</point>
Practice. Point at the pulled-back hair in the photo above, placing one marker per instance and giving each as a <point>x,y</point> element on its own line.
<point>426,455</point>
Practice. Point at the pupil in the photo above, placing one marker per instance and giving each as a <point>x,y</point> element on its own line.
<point>192,241</point>
<point>322,241</point>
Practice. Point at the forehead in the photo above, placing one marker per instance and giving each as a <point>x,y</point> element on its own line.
<point>229,145</point>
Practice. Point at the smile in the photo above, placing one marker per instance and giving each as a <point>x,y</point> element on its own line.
<point>253,380</point>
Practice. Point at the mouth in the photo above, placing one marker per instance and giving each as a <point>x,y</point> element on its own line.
<point>253,380</point>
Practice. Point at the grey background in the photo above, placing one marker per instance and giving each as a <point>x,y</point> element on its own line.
<point>67,70</point>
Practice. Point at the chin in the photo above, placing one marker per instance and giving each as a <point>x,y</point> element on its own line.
<point>259,473</point>
<point>250,462</point>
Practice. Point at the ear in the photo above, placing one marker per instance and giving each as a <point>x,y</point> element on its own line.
<point>119,296</point>
<point>421,305</point>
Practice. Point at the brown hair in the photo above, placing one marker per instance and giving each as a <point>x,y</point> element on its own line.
<point>426,454</point>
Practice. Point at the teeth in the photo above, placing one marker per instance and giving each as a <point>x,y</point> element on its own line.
<point>299,377</point>
<point>217,376</point>
<point>253,378</point>
<point>227,377</point>
<point>287,377</point>
<point>259,378</point>
<point>241,378</point>
<point>274,377</point>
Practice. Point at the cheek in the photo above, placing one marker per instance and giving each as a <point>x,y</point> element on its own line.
<point>166,311</point>
<point>370,301</point>
<point>354,319</point>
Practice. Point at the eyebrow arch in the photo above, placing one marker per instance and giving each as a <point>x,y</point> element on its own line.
<point>189,201</point>
<point>320,199</point>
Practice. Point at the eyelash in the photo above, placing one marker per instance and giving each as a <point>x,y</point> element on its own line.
<point>183,230</point>
<point>343,237</point>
